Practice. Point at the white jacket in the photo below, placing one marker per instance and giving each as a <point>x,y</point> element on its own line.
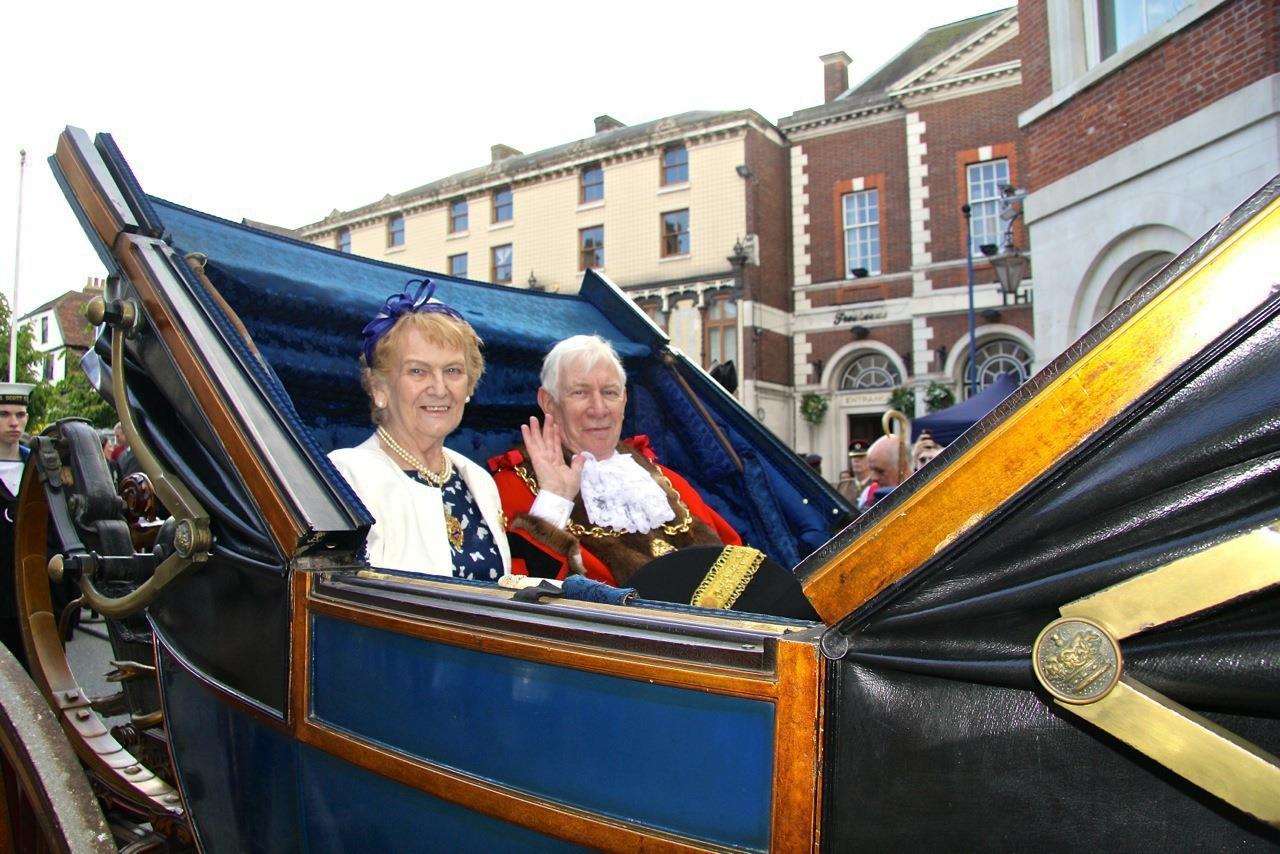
<point>408,531</point>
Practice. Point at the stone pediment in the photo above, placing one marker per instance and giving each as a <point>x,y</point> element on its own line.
<point>965,57</point>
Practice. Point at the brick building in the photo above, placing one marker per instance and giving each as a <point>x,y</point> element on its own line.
<point>879,173</point>
<point>60,332</point>
<point>688,214</point>
<point>1145,124</point>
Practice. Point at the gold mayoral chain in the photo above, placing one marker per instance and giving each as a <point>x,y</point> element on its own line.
<point>452,527</point>
<point>658,546</point>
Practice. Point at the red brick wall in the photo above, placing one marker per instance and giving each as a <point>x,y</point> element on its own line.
<point>959,126</point>
<point>879,149</point>
<point>1033,35</point>
<point>769,216</point>
<point>774,362</point>
<point>1232,46</point>
<point>958,276</point>
<point>826,344</point>
<point>854,294</point>
<point>949,328</point>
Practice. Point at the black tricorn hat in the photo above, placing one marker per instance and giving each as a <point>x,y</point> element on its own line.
<point>709,576</point>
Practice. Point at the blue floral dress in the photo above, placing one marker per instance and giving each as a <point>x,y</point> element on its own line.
<point>475,554</point>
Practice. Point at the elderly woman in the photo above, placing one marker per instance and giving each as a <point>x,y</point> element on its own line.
<point>434,511</point>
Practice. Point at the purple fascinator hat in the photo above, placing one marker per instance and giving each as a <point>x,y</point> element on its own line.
<point>398,305</point>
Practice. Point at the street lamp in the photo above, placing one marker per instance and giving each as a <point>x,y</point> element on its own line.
<point>970,372</point>
<point>1011,267</point>
<point>1010,264</point>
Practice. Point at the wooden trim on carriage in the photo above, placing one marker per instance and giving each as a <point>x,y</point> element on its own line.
<point>790,673</point>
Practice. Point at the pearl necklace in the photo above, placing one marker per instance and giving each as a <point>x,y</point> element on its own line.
<point>436,480</point>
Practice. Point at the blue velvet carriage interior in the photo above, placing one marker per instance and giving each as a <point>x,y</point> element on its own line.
<point>304,307</point>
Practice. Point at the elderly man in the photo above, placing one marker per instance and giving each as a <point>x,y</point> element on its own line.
<point>882,469</point>
<point>579,499</point>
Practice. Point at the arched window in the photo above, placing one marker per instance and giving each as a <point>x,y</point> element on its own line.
<point>1001,356</point>
<point>870,371</point>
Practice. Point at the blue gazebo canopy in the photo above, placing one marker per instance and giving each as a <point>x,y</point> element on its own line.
<point>946,425</point>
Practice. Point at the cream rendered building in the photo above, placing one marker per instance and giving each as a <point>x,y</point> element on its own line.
<point>664,205</point>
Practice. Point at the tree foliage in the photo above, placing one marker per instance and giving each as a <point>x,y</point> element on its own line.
<point>49,402</point>
<point>29,360</point>
<point>67,398</point>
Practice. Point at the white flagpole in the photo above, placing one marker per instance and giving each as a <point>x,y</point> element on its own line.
<point>17,250</point>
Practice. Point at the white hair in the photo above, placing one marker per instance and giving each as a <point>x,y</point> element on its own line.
<point>587,350</point>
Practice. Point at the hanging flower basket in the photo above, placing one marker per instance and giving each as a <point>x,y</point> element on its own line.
<point>813,408</point>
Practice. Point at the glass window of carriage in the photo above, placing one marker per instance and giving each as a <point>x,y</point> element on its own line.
<point>985,180</point>
<point>458,265</point>
<point>591,184</point>
<point>720,339</point>
<point>675,165</point>
<point>458,216</point>
<point>675,233</point>
<point>1121,22</point>
<point>870,371</point>
<point>591,248</point>
<point>395,231</point>
<point>344,240</point>
<point>503,207</point>
<point>861,212</point>
<point>500,262</point>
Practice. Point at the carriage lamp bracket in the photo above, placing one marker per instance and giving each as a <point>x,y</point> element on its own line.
<point>193,538</point>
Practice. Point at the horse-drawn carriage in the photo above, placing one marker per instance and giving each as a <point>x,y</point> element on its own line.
<point>1062,633</point>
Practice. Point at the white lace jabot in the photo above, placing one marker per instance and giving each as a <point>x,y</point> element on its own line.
<point>618,493</point>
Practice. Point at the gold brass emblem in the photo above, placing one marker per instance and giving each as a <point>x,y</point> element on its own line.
<point>1076,660</point>
<point>453,528</point>
<point>660,547</point>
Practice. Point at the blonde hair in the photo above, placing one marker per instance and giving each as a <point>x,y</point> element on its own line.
<point>439,329</point>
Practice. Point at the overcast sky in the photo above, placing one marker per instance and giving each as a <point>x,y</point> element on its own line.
<point>283,112</point>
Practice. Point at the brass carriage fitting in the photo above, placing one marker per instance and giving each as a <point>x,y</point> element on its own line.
<point>191,536</point>
<point>115,312</point>
<point>60,565</point>
<point>1077,660</point>
<point>55,568</point>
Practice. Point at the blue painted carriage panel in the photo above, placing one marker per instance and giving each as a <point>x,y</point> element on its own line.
<point>238,776</point>
<point>349,809</point>
<point>680,760</point>
<point>250,788</point>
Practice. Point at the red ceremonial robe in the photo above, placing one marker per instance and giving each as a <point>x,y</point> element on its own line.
<point>602,554</point>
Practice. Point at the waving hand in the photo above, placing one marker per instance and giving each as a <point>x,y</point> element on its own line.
<point>546,454</point>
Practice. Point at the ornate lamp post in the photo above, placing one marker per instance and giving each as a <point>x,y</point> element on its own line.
<point>971,364</point>
<point>1010,264</point>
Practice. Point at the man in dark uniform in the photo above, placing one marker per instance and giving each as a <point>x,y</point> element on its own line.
<point>13,422</point>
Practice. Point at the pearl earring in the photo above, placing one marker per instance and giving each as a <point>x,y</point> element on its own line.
<point>468,400</point>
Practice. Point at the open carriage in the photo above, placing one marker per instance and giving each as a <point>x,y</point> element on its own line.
<point>1062,633</point>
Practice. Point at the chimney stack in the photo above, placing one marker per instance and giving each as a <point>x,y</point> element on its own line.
<point>607,123</point>
<point>835,75</point>
<point>502,152</point>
